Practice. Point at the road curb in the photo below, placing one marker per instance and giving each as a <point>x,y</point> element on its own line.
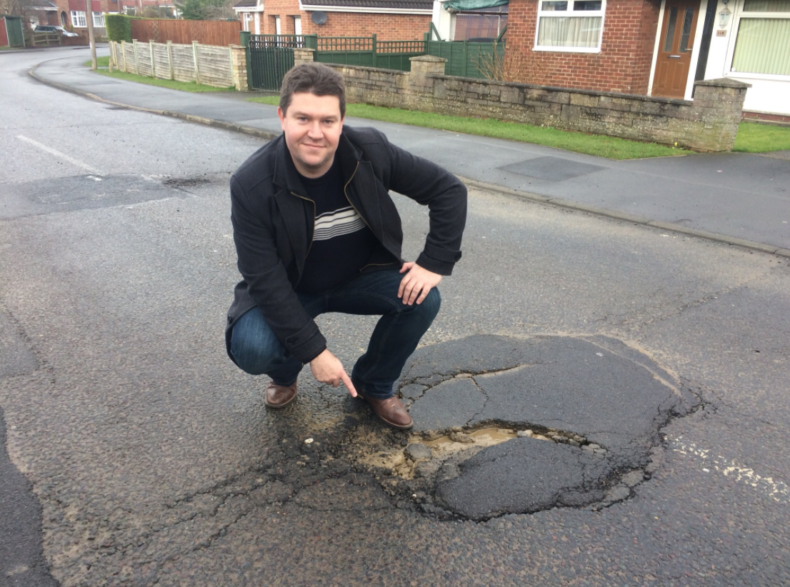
<point>248,130</point>
<point>624,216</point>
<point>669,226</point>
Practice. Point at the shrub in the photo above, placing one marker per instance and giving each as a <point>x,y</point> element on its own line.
<point>119,27</point>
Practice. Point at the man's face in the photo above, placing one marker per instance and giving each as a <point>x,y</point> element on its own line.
<point>312,128</point>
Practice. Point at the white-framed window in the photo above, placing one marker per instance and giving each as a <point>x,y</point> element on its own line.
<point>298,25</point>
<point>762,44</point>
<point>483,24</point>
<point>98,19</point>
<point>78,20</point>
<point>278,30</point>
<point>570,25</point>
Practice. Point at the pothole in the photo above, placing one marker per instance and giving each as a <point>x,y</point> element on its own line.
<point>505,425</point>
<point>426,452</point>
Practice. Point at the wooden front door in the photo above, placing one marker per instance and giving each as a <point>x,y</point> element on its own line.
<point>674,48</point>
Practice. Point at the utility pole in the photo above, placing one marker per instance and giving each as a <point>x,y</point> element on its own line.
<point>91,39</point>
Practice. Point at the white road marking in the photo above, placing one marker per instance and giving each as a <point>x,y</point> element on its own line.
<point>63,156</point>
<point>776,490</point>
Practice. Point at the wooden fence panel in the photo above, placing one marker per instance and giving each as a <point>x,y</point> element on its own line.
<point>183,63</point>
<point>206,32</point>
<point>213,64</point>
<point>161,61</point>
<point>129,59</point>
<point>144,59</point>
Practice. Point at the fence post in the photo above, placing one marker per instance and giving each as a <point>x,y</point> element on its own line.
<point>136,62</point>
<point>153,64</point>
<point>170,68</point>
<point>466,59</point>
<point>244,37</point>
<point>375,61</point>
<point>195,55</point>
<point>311,42</point>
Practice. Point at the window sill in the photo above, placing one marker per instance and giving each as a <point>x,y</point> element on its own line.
<point>568,49</point>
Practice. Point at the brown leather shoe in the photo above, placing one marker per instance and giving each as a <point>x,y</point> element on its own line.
<point>279,396</point>
<point>391,410</point>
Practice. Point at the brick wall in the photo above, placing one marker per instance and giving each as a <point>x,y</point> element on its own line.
<point>709,123</point>
<point>387,27</point>
<point>622,65</point>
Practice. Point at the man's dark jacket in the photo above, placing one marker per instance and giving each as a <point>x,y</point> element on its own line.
<point>273,222</point>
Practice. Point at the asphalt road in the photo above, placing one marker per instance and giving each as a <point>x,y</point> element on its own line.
<point>154,462</point>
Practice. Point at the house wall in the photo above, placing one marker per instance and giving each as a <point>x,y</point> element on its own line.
<point>386,27</point>
<point>3,35</point>
<point>768,94</point>
<point>622,65</point>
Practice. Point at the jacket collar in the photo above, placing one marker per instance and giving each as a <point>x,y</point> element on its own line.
<point>286,176</point>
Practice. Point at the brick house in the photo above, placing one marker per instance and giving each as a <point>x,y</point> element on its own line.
<point>648,47</point>
<point>390,20</point>
<point>42,12</point>
<point>71,15</point>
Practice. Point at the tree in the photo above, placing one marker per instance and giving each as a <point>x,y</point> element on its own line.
<point>207,9</point>
<point>16,7</point>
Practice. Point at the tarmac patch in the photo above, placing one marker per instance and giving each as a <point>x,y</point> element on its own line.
<point>551,168</point>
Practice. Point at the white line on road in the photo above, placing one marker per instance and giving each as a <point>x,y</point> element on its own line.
<point>776,490</point>
<point>52,151</point>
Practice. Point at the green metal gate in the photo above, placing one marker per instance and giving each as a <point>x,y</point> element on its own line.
<point>271,56</point>
<point>16,37</point>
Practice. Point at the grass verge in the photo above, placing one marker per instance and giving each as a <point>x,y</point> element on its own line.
<point>611,147</point>
<point>754,137</point>
<point>104,62</point>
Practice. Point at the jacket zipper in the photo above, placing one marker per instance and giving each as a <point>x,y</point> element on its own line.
<point>345,193</point>
<point>312,232</point>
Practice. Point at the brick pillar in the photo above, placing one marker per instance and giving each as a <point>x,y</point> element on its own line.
<point>424,65</point>
<point>719,105</point>
<point>303,56</point>
<point>238,66</point>
<point>420,81</point>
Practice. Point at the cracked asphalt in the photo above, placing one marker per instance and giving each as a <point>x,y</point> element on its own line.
<point>147,458</point>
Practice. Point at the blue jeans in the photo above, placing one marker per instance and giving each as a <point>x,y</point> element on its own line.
<point>256,349</point>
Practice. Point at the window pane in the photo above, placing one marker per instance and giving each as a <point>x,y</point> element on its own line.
<point>569,32</point>
<point>766,6</point>
<point>673,16</point>
<point>587,5</point>
<point>554,6</point>
<point>763,46</point>
<point>476,26</point>
<point>684,38</point>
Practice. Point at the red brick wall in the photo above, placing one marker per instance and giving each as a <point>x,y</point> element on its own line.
<point>623,64</point>
<point>387,27</point>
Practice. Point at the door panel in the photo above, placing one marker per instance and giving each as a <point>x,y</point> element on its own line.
<point>675,48</point>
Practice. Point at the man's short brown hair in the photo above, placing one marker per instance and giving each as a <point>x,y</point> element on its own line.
<point>313,78</point>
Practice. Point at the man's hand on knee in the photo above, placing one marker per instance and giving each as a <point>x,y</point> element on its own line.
<point>417,283</point>
<point>327,368</point>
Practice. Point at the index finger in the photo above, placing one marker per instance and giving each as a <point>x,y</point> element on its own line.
<point>347,382</point>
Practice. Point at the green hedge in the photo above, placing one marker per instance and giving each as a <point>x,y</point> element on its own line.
<point>119,27</point>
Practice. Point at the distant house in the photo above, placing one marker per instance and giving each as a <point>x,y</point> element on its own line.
<point>651,47</point>
<point>71,15</point>
<point>393,20</point>
<point>42,12</point>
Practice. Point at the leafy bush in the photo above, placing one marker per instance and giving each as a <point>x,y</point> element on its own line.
<point>119,27</point>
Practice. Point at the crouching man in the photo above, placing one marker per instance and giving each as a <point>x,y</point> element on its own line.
<point>316,231</point>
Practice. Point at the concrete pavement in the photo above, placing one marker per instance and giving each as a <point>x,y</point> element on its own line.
<point>736,198</point>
